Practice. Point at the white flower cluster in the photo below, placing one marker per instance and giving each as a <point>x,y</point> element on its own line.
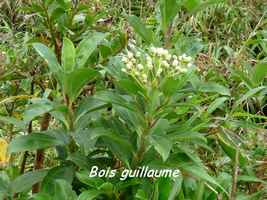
<point>154,64</point>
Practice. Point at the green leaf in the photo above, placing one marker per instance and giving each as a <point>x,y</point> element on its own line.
<point>68,55</point>
<point>246,178</point>
<point>140,195</point>
<point>57,14</point>
<point>32,142</point>
<point>216,104</point>
<point>60,172</point>
<point>114,98</point>
<point>74,81</point>
<point>192,5</point>
<point>188,136</point>
<point>86,47</point>
<point>64,191</point>
<point>4,183</point>
<point>131,86</point>
<point>87,105</point>
<point>116,143</point>
<point>170,85</point>
<point>49,56</point>
<point>94,182</point>
<point>140,28</point>
<point>80,160</point>
<point>177,185</point>
<point>230,150</point>
<point>37,108</point>
<point>260,72</point>
<point>199,172</point>
<point>86,140</point>
<point>89,195</point>
<point>42,196</point>
<point>161,144</point>
<point>197,5</point>
<point>14,121</point>
<point>168,11</point>
<point>25,181</point>
<point>214,87</point>
<point>249,94</point>
<point>160,127</point>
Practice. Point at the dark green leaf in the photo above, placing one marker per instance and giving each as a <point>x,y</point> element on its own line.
<point>32,142</point>
<point>75,81</point>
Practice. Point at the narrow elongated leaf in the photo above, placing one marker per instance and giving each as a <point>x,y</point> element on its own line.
<point>140,28</point>
<point>11,120</point>
<point>89,104</point>
<point>75,81</point>
<point>39,107</point>
<point>249,94</point>
<point>214,87</point>
<point>49,57</point>
<point>68,55</point>
<point>113,98</point>
<point>231,151</point>
<point>176,188</point>
<point>247,178</point>
<point>32,142</point>
<point>188,136</point>
<point>168,11</point>
<point>200,173</point>
<point>86,47</point>
<point>25,181</point>
<point>216,104</point>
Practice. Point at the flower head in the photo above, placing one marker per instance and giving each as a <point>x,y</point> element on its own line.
<point>151,65</point>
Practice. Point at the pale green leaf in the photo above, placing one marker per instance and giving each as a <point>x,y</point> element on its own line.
<point>49,56</point>
<point>25,181</point>
<point>140,28</point>
<point>161,144</point>
<point>68,55</point>
<point>86,47</point>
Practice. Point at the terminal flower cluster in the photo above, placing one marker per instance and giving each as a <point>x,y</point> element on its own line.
<point>153,64</point>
